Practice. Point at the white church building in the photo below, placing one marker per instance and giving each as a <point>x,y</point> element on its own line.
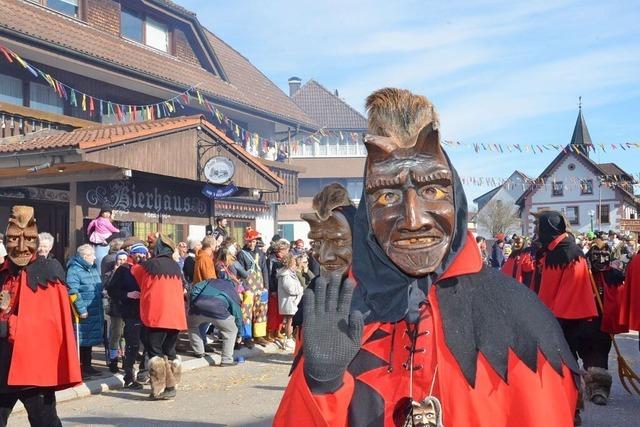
<point>593,196</point>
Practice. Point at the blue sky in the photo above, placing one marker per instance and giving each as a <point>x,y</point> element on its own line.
<point>499,72</point>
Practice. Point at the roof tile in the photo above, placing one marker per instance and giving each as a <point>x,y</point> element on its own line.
<point>326,108</point>
<point>247,85</point>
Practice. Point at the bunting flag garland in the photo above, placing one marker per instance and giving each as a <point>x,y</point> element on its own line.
<point>252,141</point>
<point>568,183</point>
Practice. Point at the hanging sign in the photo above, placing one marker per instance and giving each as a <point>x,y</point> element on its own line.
<point>630,224</point>
<point>219,192</point>
<point>219,170</point>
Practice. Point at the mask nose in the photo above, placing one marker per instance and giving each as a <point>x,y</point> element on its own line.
<point>415,218</point>
<point>326,253</point>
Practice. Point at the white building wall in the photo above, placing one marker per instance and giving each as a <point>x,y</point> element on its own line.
<point>542,198</point>
<point>506,196</point>
<point>300,230</point>
<point>265,225</point>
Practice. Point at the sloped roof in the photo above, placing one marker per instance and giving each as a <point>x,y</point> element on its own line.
<point>327,109</point>
<point>246,85</point>
<point>100,136</point>
<point>612,169</point>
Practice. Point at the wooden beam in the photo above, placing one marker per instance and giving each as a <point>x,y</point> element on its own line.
<point>75,219</point>
<point>62,178</point>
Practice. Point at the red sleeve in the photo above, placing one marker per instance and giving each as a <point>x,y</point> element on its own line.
<point>300,407</point>
<point>527,265</point>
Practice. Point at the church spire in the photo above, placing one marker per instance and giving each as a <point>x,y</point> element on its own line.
<point>581,138</point>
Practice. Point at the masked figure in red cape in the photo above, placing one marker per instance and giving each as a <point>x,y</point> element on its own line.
<point>630,305</point>
<point>594,340</point>
<point>37,347</point>
<point>162,312</point>
<point>520,264</point>
<point>427,336</point>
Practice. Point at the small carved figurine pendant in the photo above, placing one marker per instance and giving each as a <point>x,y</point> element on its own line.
<point>427,413</point>
<point>5,300</point>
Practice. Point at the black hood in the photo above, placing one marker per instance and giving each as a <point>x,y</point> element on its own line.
<point>384,291</point>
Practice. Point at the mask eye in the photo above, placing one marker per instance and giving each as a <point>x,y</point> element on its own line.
<point>433,193</point>
<point>388,198</point>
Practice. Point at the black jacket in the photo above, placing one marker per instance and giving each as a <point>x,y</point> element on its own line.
<point>121,283</point>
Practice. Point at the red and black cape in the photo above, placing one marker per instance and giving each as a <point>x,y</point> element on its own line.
<point>41,350</point>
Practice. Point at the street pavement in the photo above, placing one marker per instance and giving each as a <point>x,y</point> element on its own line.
<point>248,395</point>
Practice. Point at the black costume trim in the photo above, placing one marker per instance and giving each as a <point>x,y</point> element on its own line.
<point>565,253</point>
<point>365,361</point>
<point>162,265</point>
<point>378,335</point>
<point>368,409</point>
<point>40,272</point>
<point>491,313</point>
<point>614,277</point>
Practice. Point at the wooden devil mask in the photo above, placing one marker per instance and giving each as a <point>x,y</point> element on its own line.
<point>21,235</point>
<point>330,232</point>
<point>408,181</point>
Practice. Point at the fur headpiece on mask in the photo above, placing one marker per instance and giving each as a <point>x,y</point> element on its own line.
<point>22,216</point>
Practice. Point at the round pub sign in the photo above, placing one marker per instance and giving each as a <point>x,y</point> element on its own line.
<point>219,170</point>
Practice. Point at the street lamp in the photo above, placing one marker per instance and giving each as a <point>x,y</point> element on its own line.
<point>591,214</point>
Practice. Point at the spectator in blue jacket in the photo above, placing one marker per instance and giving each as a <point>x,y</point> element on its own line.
<point>497,255</point>
<point>85,290</point>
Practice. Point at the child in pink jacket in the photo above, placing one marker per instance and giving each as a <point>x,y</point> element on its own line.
<point>101,228</point>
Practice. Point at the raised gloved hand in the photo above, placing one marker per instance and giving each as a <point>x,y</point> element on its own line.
<point>331,333</point>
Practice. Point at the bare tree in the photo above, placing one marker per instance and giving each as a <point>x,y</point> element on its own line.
<point>498,217</point>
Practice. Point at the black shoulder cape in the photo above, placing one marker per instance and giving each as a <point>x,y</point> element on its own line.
<point>40,272</point>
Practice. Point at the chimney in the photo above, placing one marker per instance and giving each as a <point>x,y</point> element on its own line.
<point>336,93</point>
<point>294,85</point>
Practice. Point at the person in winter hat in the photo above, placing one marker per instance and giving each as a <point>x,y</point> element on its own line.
<point>162,313</point>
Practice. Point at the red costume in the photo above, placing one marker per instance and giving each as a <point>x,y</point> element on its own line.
<point>488,383</point>
<point>630,304</point>
<point>611,287</point>
<point>564,284</point>
<point>161,294</point>
<point>520,266</point>
<point>40,350</point>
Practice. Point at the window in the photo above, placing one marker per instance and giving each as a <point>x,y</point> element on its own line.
<point>136,27</point>
<point>10,90</point>
<point>44,98</point>
<point>156,35</point>
<point>573,214</point>
<point>603,214</point>
<point>586,186</point>
<point>68,7</point>
<point>131,25</point>
<point>557,189</point>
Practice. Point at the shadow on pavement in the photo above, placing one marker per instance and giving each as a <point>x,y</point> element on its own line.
<point>270,387</point>
<point>145,422</point>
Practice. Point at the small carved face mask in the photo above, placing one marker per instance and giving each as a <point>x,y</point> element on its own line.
<point>331,243</point>
<point>518,243</point>
<point>600,258</point>
<point>21,236</point>
<point>412,212</point>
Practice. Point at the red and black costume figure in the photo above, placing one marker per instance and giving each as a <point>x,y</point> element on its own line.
<point>477,347</point>
<point>520,264</point>
<point>630,305</point>
<point>37,346</point>
<point>162,311</point>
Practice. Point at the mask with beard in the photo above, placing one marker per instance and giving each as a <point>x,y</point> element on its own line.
<point>21,236</point>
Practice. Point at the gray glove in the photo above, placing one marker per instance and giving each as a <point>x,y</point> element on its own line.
<point>331,333</point>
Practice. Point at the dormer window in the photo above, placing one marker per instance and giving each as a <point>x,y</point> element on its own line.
<point>68,7</point>
<point>143,29</point>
